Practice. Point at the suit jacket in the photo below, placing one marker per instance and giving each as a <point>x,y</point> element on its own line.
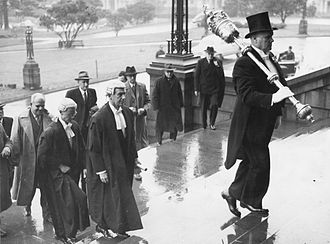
<point>253,114</point>
<point>24,155</point>
<point>210,86</point>
<point>7,123</point>
<point>105,154</point>
<point>82,109</point>
<point>140,99</point>
<point>54,149</point>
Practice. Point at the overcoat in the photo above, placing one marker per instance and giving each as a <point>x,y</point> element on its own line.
<point>253,113</point>
<point>167,99</point>
<point>7,123</point>
<point>112,203</point>
<point>205,86</point>
<point>24,155</point>
<point>67,203</point>
<point>5,198</point>
<point>140,99</point>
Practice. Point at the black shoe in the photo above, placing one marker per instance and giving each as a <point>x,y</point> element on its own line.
<point>262,211</point>
<point>231,204</point>
<point>104,232</point>
<point>64,239</point>
<point>123,235</point>
<point>28,211</point>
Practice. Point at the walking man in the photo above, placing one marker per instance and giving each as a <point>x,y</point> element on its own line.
<point>167,99</point>
<point>209,81</point>
<point>112,157</point>
<point>27,128</point>
<point>60,157</point>
<point>137,99</point>
<point>258,110</point>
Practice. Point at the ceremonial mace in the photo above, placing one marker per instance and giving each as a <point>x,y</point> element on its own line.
<point>222,26</point>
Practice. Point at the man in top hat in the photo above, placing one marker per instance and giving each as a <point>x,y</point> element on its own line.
<point>7,123</point>
<point>60,159</point>
<point>258,110</point>
<point>110,168</point>
<point>85,98</point>
<point>167,99</point>
<point>210,85</point>
<point>137,99</point>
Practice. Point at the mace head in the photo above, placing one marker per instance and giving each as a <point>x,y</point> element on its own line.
<point>221,25</point>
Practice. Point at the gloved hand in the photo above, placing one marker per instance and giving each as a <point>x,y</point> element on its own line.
<point>282,93</point>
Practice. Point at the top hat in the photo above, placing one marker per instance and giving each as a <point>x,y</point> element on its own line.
<point>83,75</point>
<point>130,71</point>
<point>210,50</point>
<point>2,105</point>
<point>168,67</point>
<point>259,23</point>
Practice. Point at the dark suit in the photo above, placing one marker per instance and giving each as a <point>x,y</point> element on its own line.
<point>82,107</point>
<point>7,123</point>
<point>251,129</point>
<point>209,80</point>
<point>67,203</point>
<point>112,205</point>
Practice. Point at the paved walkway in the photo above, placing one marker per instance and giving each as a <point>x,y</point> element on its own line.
<point>179,196</point>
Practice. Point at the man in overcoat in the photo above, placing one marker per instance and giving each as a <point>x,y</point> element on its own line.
<point>112,156</point>
<point>209,82</point>
<point>258,110</point>
<point>137,99</point>
<point>61,153</point>
<point>167,99</point>
<point>5,151</point>
<point>27,128</point>
<point>85,98</point>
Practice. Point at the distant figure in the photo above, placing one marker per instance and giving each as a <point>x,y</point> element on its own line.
<point>27,128</point>
<point>110,168</point>
<point>60,153</point>
<point>209,82</point>
<point>160,51</point>
<point>29,43</point>
<point>122,76</point>
<point>5,151</point>
<point>287,55</point>
<point>167,99</point>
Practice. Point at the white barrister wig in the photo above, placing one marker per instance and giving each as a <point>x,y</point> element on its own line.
<point>66,103</point>
<point>112,85</point>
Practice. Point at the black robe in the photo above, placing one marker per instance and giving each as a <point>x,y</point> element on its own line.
<point>67,202</point>
<point>112,205</point>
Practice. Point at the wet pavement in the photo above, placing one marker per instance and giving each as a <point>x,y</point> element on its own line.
<point>179,196</point>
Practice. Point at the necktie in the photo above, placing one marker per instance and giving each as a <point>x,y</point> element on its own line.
<point>69,132</point>
<point>85,96</point>
<point>121,120</point>
<point>39,120</point>
<point>134,89</point>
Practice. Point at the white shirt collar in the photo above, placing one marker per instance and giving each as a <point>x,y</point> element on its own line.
<point>260,52</point>
<point>119,117</point>
<point>82,91</point>
<point>67,128</point>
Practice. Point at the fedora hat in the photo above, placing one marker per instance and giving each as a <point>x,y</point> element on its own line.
<point>168,67</point>
<point>130,71</point>
<point>259,23</point>
<point>210,50</point>
<point>83,75</point>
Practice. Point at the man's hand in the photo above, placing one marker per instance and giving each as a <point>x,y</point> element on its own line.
<point>196,93</point>
<point>84,174</point>
<point>282,93</point>
<point>64,169</point>
<point>140,111</point>
<point>104,177</point>
<point>133,109</point>
<point>5,152</point>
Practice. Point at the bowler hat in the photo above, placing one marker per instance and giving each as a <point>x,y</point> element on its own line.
<point>130,71</point>
<point>259,23</point>
<point>83,75</point>
<point>210,50</point>
<point>168,67</point>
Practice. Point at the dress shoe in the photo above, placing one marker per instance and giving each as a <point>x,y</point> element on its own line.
<point>64,239</point>
<point>28,211</point>
<point>123,235</point>
<point>103,231</point>
<point>253,209</point>
<point>231,204</point>
<point>138,177</point>
<point>212,127</point>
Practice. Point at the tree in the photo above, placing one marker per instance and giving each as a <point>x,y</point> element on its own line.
<point>4,14</point>
<point>242,8</point>
<point>283,8</point>
<point>140,12</point>
<point>117,19</point>
<point>68,18</point>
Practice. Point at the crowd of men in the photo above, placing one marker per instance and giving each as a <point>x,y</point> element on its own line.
<point>84,160</point>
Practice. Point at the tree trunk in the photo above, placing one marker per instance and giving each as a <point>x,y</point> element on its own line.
<point>5,14</point>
